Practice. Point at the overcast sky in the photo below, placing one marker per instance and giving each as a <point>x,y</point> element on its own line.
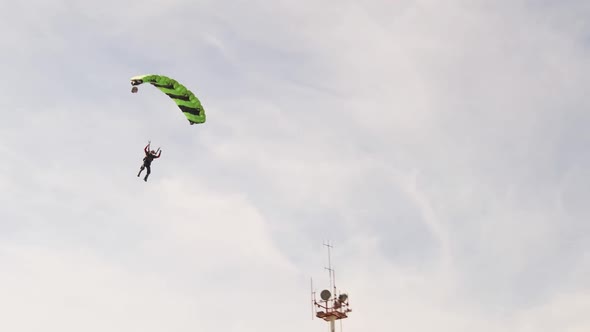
<point>441,146</point>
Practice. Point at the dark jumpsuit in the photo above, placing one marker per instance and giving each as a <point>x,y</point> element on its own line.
<point>147,161</point>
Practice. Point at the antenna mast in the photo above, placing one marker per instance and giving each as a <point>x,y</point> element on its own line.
<point>329,268</point>
<point>333,306</point>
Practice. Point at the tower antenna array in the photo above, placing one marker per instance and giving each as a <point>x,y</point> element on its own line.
<point>333,305</point>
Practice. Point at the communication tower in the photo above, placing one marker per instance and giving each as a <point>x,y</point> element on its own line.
<point>333,305</point>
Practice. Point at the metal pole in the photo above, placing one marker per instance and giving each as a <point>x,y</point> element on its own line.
<point>329,268</point>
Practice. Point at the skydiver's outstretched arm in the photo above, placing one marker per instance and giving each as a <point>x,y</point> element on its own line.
<point>159,153</point>
<point>146,149</point>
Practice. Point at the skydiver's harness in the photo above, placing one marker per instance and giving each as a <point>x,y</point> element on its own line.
<point>147,160</point>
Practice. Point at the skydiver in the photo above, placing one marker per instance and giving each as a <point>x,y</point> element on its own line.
<point>147,160</point>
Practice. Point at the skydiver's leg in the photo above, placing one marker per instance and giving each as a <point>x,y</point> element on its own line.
<point>148,172</point>
<point>140,170</point>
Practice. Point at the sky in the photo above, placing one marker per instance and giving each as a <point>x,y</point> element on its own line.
<point>441,147</point>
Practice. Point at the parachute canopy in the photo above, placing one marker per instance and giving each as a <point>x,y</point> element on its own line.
<point>187,102</point>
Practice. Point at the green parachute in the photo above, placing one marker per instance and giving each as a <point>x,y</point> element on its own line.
<point>185,100</point>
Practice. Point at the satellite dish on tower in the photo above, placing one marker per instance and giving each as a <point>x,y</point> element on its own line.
<point>325,295</point>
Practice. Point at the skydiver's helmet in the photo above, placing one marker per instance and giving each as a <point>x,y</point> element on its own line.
<point>153,152</point>
<point>134,89</point>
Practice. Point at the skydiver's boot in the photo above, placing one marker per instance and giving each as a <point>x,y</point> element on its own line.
<point>145,178</point>
<point>140,170</point>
